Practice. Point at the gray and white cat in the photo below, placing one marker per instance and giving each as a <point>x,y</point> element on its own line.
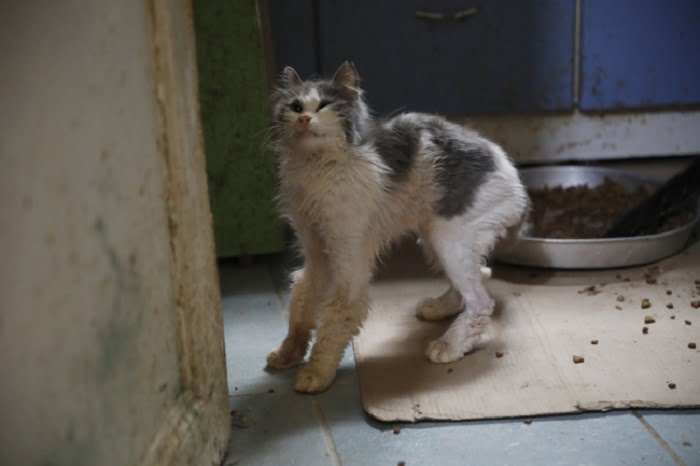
<point>350,186</point>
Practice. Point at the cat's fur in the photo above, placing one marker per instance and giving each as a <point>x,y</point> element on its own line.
<point>350,186</point>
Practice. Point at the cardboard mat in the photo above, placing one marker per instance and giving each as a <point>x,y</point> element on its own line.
<point>542,320</point>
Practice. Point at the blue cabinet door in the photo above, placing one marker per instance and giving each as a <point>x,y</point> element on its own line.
<point>512,55</point>
<point>639,53</point>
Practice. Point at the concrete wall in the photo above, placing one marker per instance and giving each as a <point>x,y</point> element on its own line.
<point>88,341</point>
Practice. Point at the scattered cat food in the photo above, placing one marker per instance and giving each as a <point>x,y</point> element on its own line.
<point>650,280</point>
<point>578,359</point>
<point>695,304</point>
<point>618,276</point>
<point>673,317</point>
<point>645,330</point>
<point>619,308</point>
<point>669,305</point>
<point>527,421</point>
<point>239,419</point>
<point>499,354</point>
<point>669,292</point>
<point>692,345</point>
<point>272,390</point>
<point>672,386</point>
<point>649,320</point>
<point>646,304</point>
<point>687,322</point>
<point>401,463</point>
<point>594,342</point>
<point>449,371</point>
<point>697,282</point>
<point>590,290</point>
<point>396,430</point>
<point>621,298</point>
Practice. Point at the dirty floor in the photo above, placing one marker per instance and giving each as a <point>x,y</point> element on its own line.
<point>273,425</point>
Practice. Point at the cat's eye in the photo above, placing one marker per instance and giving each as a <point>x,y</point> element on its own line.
<point>296,107</point>
<point>324,103</point>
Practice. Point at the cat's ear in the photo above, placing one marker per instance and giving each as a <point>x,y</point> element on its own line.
<point>289,78</point>
<point>346,76</point>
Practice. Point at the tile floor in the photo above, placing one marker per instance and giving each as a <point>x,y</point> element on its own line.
<point>273,425</point>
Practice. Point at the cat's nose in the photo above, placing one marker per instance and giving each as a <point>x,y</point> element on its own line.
<point>304,119</point>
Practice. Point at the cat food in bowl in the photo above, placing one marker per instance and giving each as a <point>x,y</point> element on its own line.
<point>574,206</point>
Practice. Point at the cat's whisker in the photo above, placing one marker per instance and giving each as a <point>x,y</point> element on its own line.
<point>394,112</point>
<point>263,131</point>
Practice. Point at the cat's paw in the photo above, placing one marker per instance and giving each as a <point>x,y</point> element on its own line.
<point>313,380</point>
<point>433,309</point>
<point>284,359</point>
<point>442,351</point>
<point>427,309</point>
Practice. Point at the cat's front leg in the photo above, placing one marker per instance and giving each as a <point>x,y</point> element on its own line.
<point>302,319</point>
<point>309,287</point>
<point>342,317</point>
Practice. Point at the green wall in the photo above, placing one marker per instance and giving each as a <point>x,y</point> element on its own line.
<point>233,99</point>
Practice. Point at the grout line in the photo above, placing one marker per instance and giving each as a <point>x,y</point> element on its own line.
<point>243,395</point>
<point>676,458</point>
<point>326,430</point>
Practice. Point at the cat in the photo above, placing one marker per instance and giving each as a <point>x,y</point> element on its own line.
<point>350,185</point>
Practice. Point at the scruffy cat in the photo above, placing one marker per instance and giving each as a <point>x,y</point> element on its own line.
<point>350,185</point>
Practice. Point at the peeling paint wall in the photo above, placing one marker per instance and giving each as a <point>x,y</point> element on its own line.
<point>537,138</point>
<point>88,343</point>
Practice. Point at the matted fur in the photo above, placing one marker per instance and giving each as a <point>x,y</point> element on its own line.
<point>350,185</point>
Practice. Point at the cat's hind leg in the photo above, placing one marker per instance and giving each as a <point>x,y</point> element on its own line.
<point>461,244</point>
<point>446,305</point>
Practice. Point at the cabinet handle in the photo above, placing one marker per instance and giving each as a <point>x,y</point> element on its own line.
<point>438,16</point>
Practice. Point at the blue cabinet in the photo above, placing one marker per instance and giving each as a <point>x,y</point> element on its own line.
<point>639,53</point>
<point>511,55</point>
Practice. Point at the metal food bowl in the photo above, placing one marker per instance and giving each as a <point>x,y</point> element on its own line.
<point>592,253</point>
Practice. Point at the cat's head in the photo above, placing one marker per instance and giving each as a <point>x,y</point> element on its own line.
<point>317,114</point>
